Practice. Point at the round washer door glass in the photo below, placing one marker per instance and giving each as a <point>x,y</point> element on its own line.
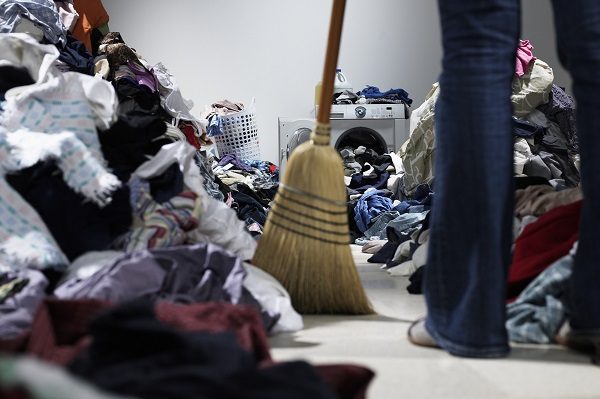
<point>298,137</point>
<point>364,136</point>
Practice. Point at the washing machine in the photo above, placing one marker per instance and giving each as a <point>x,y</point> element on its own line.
<point>381,127</point>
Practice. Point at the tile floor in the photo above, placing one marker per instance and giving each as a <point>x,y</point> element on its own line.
<point>406,371</point>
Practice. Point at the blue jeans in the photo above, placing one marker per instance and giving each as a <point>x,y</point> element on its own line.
<point>469,251</point>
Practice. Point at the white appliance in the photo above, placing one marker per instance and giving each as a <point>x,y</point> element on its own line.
<point>381,127</point>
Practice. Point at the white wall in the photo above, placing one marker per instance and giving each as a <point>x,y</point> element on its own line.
<point>273,49</point>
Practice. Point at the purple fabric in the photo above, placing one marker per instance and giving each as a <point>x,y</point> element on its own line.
<point>17,311</point>
<point>235,161</point>
<point>186,274</point>
<point>144,77</point>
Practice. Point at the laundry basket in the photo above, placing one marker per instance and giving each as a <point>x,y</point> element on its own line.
<point>240,135</point>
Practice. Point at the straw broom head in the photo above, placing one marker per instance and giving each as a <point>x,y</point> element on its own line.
<point>305,244</point>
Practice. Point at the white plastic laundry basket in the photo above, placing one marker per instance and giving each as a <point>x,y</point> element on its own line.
<point>240,135</point>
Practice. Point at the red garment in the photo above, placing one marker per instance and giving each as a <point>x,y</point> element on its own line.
<point>546,240</point>
<point>189,131</point>
<point>59,334</point>
<point>60,328</point>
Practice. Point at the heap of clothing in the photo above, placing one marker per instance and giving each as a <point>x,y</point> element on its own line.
<point>372,95</point>
<point>547,202</point>
<point>249,187</point>
<point>543,127</point>
<point>214,115</point>
<point>117,249</point>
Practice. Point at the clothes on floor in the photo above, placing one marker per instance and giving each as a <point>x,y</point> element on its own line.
<point>538,200</point>
<point>539,311</point>
<point>274,300</point>
<point>60,329</point>
<point>198,273</point>
<point>417,152</point>
<point>18,303</point>
<point>87,226</point>
<point>132,353</point>
<point>370,205</point>
<point>541,243</point>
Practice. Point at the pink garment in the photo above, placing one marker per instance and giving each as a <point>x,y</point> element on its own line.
<point>524,57</point>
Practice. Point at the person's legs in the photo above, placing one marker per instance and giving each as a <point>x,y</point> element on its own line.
<point>578,36</point>
<point>469,252</point>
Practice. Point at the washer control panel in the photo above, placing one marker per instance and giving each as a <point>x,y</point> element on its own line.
<point>369,111</point>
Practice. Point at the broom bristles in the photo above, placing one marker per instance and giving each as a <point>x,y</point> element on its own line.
<point>305,244</point>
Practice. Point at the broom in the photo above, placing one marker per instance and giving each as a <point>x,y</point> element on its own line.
<point>305,244</point>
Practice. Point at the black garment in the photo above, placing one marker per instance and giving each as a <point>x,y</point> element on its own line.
<point>76,56</point>
<point>11,76</point>
<point>526,129</point>
<point>361,183</point>
<point>137,99</point>
<point>77,225</point>
<point>134,354</point>
<point>416,281</point>
<point>560,157</point>
<point>261,196</point>
<point>560,109</point>
<point>385,254</point>
<point>249,208</point>
<point>96,38</point>
<point>129,142</point>
<point>167,185</point>
<point>368,156</point>
<point>522,182</point>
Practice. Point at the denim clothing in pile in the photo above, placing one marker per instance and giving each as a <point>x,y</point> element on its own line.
<point>371,204</point>
<point>537,314</point>
<point>380,222</point>
<point>468,256</point>
<point>391,94</point>
<point>405,223</point>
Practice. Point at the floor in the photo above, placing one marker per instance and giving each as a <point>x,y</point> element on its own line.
<point>406,371</point>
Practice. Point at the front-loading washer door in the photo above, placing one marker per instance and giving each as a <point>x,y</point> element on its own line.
<point>299,136</point>
<point>362,136</point>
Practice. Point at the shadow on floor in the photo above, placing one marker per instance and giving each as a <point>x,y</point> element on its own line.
<point>289,340</point>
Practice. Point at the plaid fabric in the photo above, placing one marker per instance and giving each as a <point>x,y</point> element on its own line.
<point>538,312</point>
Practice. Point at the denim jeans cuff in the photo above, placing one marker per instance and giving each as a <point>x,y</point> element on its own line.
<point>488,352</point>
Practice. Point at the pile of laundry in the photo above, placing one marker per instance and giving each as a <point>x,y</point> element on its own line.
<point>249,187</point>
<point>120,247</point>
<point>214,115</point>
<point>372,95</point>
<point>374,201</point>
<point>544,129</point>
<point>548,202</point>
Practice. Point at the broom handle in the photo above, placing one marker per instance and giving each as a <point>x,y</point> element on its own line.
<point>331,57</point>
